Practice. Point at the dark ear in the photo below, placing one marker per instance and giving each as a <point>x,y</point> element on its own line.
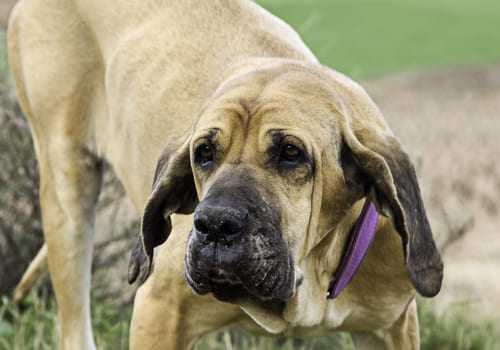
<point>173,192</point>
<point>391,183</point>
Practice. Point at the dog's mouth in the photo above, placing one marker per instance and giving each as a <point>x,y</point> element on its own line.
<point>240,272</point>
<point>233,291</point>
<point>224,286</point>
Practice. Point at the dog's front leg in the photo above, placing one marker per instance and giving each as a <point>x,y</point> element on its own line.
<point>70,184</point>
<point>167,314</point>
<point>403,334</point>
<point>56,69</point>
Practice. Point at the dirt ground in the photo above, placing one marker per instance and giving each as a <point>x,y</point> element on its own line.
<point>449,122</point>
<point>5,6</point>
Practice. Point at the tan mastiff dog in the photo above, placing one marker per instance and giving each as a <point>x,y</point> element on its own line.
<point>273,152</point>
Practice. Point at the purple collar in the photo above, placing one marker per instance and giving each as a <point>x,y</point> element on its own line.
<point>359,243</point>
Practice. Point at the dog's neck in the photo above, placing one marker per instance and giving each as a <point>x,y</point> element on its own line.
<point>358,245</point>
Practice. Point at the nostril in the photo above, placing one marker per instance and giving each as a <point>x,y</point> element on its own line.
<point>219,222</point>
<point>230,227</point>
<point>200,223</point>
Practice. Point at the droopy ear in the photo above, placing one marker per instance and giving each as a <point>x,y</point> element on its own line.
<point>173,192</point>
<point>391,183</point>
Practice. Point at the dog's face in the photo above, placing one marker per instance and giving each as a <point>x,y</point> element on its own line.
<point>276,159</point>
<point>253,161</point>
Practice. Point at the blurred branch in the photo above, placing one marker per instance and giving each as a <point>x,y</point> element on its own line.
<point>455,231</point>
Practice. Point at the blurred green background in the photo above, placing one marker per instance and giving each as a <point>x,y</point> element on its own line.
<point>371,37</point>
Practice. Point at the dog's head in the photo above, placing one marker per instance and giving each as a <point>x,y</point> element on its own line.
<point>276,159</point>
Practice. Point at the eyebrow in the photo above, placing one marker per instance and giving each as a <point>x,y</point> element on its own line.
<point>210,133</point>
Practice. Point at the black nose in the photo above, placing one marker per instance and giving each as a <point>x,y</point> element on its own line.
<point>219,223</point>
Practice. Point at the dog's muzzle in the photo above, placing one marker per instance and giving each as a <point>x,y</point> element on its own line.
<point>235,249</point>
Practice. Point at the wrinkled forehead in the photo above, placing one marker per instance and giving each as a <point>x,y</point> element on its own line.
<point>292,99</point>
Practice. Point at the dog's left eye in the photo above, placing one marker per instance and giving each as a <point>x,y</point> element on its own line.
<point>204,155</point>
<point>290,153</point>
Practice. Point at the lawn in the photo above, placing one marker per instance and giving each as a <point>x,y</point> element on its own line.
<point>372,37</point>
<point>35,328</point>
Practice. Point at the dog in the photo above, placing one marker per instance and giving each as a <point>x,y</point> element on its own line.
<point>249,161</point>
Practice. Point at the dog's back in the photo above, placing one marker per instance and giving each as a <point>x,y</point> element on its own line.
<point>107,66</point>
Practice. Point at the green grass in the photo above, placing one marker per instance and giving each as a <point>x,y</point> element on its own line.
<point>35,327</point>
<point>371,37</point>
<point>4,67</point>
<point>458,328</point>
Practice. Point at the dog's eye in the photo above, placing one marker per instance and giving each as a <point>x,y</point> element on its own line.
<point>291,153</point>
<point>204,155</point>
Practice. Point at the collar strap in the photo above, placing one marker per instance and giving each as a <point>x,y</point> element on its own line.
<point>357,248</point>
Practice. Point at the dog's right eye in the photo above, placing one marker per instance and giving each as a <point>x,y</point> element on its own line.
<point>204,155</point>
